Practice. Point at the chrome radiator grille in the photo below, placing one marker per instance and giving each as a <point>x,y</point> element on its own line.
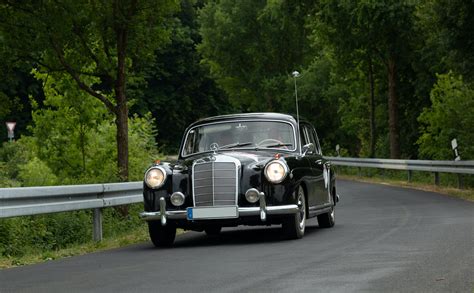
<point>215,184</point>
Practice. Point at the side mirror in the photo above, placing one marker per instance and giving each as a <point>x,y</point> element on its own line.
<point>308,149</point>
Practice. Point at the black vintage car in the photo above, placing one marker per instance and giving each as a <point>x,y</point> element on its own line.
<point>242,169</point>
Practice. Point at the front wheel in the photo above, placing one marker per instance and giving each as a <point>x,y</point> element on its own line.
<point>294,226</point>
<point>161,236</point>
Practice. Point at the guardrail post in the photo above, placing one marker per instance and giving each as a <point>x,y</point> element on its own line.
<point>360,171</point>
<point>97,228</point>
<point>436,175</point>
<point>410,175</point>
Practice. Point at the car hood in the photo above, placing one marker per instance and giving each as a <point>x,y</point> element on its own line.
<point>248,159</point>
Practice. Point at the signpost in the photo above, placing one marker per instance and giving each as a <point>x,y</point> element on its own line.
<point>454,145</point>
<point>457,157</point>
<point>10,129</point>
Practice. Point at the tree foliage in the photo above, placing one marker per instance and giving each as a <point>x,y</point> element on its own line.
<point>251,48</point>
<point>450,116</point>
<point>177,88</point>
<point>72,140</point>
<point>452,24</point>
<point>371,31</point>
<point>82,39</point>
<point>367,67</point>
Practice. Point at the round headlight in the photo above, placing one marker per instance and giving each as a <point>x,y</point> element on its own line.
<point>155,177</point>
<point>276,171</point>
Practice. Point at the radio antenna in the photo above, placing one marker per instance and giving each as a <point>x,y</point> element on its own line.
<point>295,75</point>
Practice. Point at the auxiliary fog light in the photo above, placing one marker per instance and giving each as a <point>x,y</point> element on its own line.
<point>252,195</point>
<point>177,199</point>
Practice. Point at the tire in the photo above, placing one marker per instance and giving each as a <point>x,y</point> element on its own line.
<point>213,230</point>
<point>327,220</point>
<point>294,226</point>
<point>161,236</point>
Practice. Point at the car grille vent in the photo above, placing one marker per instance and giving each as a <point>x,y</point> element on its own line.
<point>215,184</point>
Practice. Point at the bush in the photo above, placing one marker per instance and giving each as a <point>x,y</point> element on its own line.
<point>36,173</point>
<point>42,233</point>
<point>450,116</point>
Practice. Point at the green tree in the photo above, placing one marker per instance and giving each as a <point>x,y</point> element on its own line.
<point>62,128</point>
<point>320,90</point>
<point>451,24</point>
<point>251,48</point>
<point>367,31</point>
<point>450,116</point>
<point>95,38</point>
<point>178,89</point>
<point>73,135</point>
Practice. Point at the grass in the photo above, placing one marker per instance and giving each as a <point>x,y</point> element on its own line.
<point>466,194</point>
<point>132,237</point>
<point>126,239</point>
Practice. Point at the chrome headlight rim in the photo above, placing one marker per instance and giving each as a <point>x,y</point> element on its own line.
<point>162,170</point>
<point>178,195</point>
<point>248,195</point>
<point>285,169</point>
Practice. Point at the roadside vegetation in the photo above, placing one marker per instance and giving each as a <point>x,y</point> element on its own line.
<point>449,183</point>
<point>34,239</point>
<point>99,90</point>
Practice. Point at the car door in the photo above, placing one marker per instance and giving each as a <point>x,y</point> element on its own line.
<point>323,167</point>
<point>316,162</point>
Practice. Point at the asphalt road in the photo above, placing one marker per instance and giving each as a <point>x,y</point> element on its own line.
<point>386,239</point>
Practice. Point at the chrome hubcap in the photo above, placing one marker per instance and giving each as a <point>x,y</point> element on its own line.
<point>302,210</point>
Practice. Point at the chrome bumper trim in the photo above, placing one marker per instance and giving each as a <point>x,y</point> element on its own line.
<point>163,211</point>
<point>173,215</point>
<point>243,212</point>
<point>263,206</point>
<point>270,210</point>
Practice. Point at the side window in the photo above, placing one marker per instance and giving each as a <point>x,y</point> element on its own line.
<point>303,135</point>
<point>318,146</point>
<point>307,136</point>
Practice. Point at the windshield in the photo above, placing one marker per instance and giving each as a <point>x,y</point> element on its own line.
<point>240,135</point>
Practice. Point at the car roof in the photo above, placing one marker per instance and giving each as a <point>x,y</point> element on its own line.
<point>240,116</point>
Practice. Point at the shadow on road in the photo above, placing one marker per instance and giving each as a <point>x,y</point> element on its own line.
<point>236,236</point>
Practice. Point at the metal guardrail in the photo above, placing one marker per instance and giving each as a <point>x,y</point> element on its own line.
<point>436,167</point>
<point>23,201</point>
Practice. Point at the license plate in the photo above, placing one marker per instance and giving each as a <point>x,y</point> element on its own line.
<point>198,213</point>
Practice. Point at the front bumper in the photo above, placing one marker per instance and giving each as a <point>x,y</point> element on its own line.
<point>263,211</point>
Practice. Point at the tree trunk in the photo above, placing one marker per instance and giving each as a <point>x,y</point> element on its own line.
<point>394,134</point>
<point>121,121</point>
<point>121,110</point>
<point>373,133</point>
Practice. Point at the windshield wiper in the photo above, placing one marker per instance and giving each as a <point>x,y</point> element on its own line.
<point>277,145</point>
<point>238,144</point>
